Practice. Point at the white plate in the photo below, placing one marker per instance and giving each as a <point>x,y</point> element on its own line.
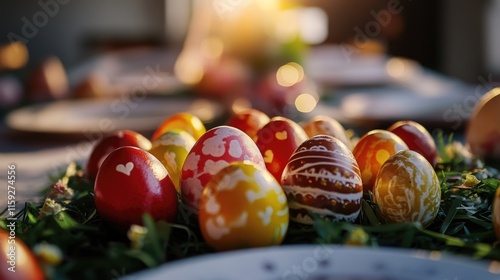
<point>315,262</point>
<point>81,116</point>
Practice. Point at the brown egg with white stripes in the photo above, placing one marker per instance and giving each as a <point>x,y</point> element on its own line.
<point>323,178</point>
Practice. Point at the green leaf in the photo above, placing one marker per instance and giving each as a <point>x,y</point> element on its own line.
<point>450,215</point>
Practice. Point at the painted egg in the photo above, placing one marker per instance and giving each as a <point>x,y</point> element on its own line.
<point>183,121</point>
<point>407,189</point>
<point>483,129</point>
<point>243,206</point>
<point>130,183</point>
<point>111,142</point>
<point>417,138</point>
<point>372,150</point>
<point>496,213</point>
<point>216,149</point>
<point>323,178</point>
<point>325,125</point>
<point>172,148</point>
<point>277,141</point>
<point>249,121</point>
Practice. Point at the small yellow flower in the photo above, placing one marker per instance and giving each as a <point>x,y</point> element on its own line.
<point>471,180</point>
<point>136,235</point>
<point>50,207</point>
<point>48,253</point>
<point>358,237</point>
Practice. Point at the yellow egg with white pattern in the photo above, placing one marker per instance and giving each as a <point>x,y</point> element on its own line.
<point>407,189</point>
<point>243,206</point>
<point>171,149</point>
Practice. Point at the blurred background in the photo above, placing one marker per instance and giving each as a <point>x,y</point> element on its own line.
<point>456,39</point>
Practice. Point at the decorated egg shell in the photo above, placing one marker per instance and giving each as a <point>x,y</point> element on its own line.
<point>325,125</point>
<point>249,121</point>
<point>111,142</point>
<point>277,141</point>
<point>183,121</point>
<point>372,150</point>
<point>323,178</point>
<point>243,206</point>
<point>130,183</point>
<point>216,149</point>
<point>407,189</point>
<point>483,128</point>
<point>417,138</point>
<point>172,148</point>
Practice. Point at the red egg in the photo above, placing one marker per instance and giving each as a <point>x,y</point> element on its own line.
<point>110,143</point>
<point>216,149</point>
<point>130,183</point>
<point>372,150</point>
<point>417,138</point>
<point>325,125</point>
<point>277,141</point>
<point>323,178</point>
<point>249,121</point>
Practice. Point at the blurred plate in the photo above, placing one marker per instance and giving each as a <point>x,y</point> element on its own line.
<point>428,98</point>
<point>147,68</point>
<point>317,262</point>
<point>82,116</point>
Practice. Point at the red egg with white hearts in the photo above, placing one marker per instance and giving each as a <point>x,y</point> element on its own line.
<point>277,141</point>
<point>323,178</point>
<point>417,138</point>
<point>249,121</point>
<point>325,125</point>
<point>216,149</point>
<point>130,183</point>
<point>372,150</point>
<point>111,142</point>
<point>407,189</point>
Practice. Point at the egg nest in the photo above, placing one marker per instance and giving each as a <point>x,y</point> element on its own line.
<point>92,250</point>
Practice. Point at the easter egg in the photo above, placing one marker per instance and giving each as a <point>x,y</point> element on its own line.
<point>216,149</point>
<point>249,121</point>
<point>172,148</point>
<point>17,261</point>
<point>483,128</point>
<point>323,178</point>
<point>407,189</point>
<point>130,183</point>
<point>325,125</point>
<point>111,142</point>
<point>277,141</point>
<point>183,121</point>
<point>243,206</point>
<point>372,150</point>
<point>417,138</point>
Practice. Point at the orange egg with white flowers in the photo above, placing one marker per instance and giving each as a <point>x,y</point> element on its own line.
<point>407,189</point>
<point>372,150</point>
<point>243,206</point>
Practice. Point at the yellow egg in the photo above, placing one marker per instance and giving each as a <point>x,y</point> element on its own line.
<point>183,121</point>
<point>483,129</point>
<point>172,148</point>
<point>243,206</point>
<point>407,189</point>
